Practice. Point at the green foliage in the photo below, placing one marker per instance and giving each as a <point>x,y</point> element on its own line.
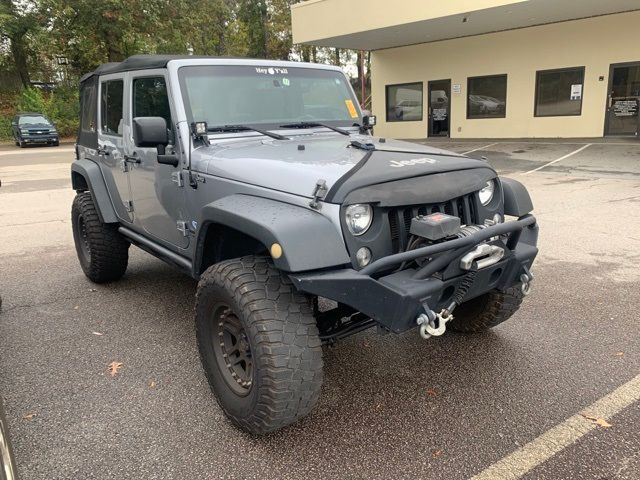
<point>61,106</point>
<point>5,128</point>
<point>34,34</point>
<point>31,100</point>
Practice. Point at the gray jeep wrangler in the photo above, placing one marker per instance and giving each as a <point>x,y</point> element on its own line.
<point>262,180</point>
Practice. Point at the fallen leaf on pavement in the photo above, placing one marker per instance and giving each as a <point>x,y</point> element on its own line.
<point>619,354</point>
<point>76,307</point>
<point>437,453</point>
<point>114,367</point>
<point>152,384</point>
<point>29,416</point>
<point>601,422</point>
<point>98,333</point>
<point>431,392</point>
<point>93,290</point>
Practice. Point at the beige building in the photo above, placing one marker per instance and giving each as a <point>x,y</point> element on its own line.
<point>490,68</point>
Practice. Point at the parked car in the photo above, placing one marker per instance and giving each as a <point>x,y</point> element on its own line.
<point>485,105</point>
<point>34,129</point>
<point>223,169</point>
<point>408,110</point>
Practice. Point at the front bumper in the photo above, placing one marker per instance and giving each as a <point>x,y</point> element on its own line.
<point>396,299</point>
<point>39,139</point>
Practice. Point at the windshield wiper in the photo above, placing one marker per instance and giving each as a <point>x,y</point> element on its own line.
<point>246,128</point>
<point>315,124</point>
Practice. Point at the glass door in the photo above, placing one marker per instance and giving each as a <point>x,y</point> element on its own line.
<point>439,108</point>
<point>623,101</point>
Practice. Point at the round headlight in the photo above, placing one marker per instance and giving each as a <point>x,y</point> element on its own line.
<point>358,218</point>
<point>486,194</point>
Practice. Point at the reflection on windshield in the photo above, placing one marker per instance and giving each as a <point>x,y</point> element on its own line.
<point>266,96</point>
<point>33,120</point>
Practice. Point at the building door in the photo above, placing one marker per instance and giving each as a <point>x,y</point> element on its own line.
<point>623,101</point>
<point>439,108</point>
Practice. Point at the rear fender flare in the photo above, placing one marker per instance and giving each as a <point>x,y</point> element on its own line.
<point>86,175</point>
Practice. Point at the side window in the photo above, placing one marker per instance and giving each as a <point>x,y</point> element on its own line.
<point>111,107</point>
<point>88,110</point>
<point>150,99</point>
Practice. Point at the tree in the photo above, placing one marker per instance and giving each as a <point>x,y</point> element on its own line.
<point>253,16</point>
<point>17,20</point>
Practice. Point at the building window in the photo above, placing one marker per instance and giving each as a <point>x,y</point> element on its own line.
<point>487,96</point>
<point>404,102</point>
<point>559,92</point>
<point>111,107</point>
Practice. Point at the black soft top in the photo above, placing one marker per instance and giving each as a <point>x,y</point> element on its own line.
<point>137,62</point>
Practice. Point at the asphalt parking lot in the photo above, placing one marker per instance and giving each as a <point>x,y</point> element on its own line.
<point>531,398</point>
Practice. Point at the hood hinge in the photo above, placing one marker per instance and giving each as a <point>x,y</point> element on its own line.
<point>319,192</point>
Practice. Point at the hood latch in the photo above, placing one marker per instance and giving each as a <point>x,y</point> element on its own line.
<point>319,191</point>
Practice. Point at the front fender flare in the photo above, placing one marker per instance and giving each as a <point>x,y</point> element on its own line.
<point>308,239</point>
<point>517,201</point>
<point>95,183</point>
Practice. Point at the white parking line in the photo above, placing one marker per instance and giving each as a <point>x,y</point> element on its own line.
<point>480,148</point>
<point>538,451</point>
<point>559,159</point>
<point>29,151</point>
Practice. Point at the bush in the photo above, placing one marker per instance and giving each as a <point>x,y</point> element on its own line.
<point>31,100</point>
<point>5,128</point>
<point>61,106</point>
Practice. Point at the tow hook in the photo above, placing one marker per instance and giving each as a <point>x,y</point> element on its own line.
<point>526,279</point>
<point>433,324</point>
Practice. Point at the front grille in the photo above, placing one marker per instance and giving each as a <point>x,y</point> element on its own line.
<point>400,217</point>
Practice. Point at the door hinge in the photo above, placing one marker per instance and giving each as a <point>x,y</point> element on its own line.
<point>176,177</point>
<point>129,206</point>
<point>183,227</point>
<point>124,166</point>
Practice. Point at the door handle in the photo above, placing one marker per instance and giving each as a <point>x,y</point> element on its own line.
<point>102,150</point>
<point>131,158</point>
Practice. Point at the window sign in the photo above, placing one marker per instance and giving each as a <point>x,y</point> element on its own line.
<point>576,92</point>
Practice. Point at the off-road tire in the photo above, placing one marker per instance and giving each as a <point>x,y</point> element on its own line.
<point>22,144</point>
<point>285,349</point>
<point>486,311</point>
<point>103,252</point>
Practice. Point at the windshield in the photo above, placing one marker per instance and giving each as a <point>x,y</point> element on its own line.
<point>266,96</point>
<point>27,120</point>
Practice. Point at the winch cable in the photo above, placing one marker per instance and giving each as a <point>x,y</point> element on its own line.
<point>462,289</point>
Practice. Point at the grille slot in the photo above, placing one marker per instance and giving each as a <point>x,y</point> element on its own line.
<point>400,217</point>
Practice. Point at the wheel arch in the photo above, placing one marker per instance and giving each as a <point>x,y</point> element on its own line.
<point>86,176</point>
<point>307,239</point>
<point>517,201</point>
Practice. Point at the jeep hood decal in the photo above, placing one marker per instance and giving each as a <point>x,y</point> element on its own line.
<point>294,166</point>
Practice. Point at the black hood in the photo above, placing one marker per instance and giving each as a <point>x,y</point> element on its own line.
<point>396,173</point>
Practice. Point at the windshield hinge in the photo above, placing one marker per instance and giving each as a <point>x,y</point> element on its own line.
<point>183,227</point>
<point>319,191</point>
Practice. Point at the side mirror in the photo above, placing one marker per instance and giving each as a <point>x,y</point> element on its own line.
<point>152,132</point>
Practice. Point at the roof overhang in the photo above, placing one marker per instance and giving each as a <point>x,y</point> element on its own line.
<point>378,24</point>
